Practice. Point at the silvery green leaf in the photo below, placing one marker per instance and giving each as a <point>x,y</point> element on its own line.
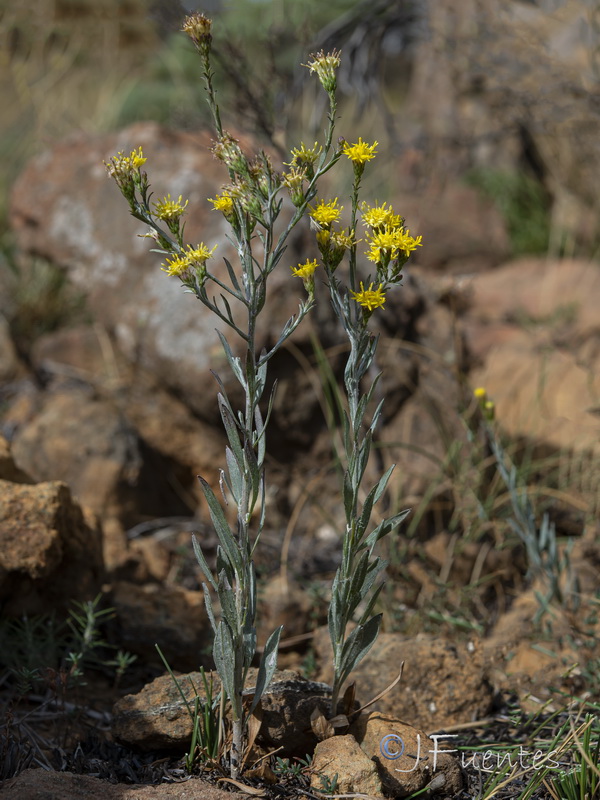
<point>221,525</point>
<point>249,646</point>
<point>234,361</point>
<point>227,600</point>
<point>231,429</point>
<point>232,275</point>
<point>223,564</point>
<point>202,562</point>
<point>224,658</point>
<point>267,666</point>
<point>209,608</point>
<point>376,415</point>
<point>371,605</point>
<point>371,499</point>
<point>383,529</point>
<point>234,483</point>
<point>348,495</point>
<point>357,645</point>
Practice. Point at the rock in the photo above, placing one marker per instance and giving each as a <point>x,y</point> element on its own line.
<point>342,756</point>
<point>80,435</point>
<point>407,759</point>
<point>34,784</point>
<point>65,207</point>
<point>156,717</point>
<point>534,326</point>
<point>520,99</point>
<point>431,694</point>
<point>9,361</point>
<point>50,550</point>
<point>172,617</point>
<point>8,469</point>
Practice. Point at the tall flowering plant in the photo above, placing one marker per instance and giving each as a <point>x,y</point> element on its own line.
<point>251,203</point>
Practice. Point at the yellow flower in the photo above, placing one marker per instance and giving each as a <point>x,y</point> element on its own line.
<point>389,242</point>
<point>361,152</point>
<point>294,181</point>
<point>168,209</point>
<point>379,216</point>
<point>200,254</point>
<point>407,243</point>
<point>223,202</point>
<point>176,266</point>
<point>326,213</point>
<point>180,264</point>
<point>121,166</point>
<point>306,270</point>
<point>325,65</point>
<point>480,393</point>
<point>305,155</point>
<point>137,158</point>
<point>384,243</point>
<point>369,298</point>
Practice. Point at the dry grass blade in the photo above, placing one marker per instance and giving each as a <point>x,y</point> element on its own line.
<point>383,693</point>
<point>244,788</point>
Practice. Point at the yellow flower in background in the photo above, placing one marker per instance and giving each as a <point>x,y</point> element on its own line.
<point>326,213</point>
<point>361,152</point>
<point>370,298</point>
<point>168,209</point>
<point>480,393</point>
<point>306,270</point>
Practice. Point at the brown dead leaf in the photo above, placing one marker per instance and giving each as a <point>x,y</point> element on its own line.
<point>321,728</point>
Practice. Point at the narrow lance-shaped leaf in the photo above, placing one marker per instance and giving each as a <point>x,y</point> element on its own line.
<point>235,476</point>
<point>224,658</point>
<point>202,562</point>
<point>371,499</point>
<point>383,529</point>
<point>234,361</point>
<point>231,428</point>
<point>357,645</point>
<point>209,608</point>
<point>222,529</point>
<point>267,666</point>
<point>227,600</point>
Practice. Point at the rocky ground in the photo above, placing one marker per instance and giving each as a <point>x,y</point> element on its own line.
<point>108,415</point>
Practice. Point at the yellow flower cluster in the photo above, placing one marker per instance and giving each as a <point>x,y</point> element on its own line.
<point>361,152</point>
<point>180,264</point>
<point>380,216</point>
<point>121,166</point>
<point>370,298</point>
<point>326,213</point>
<point>325,65</point>
<point>388,242</point>
<point>223,202</point>
<point>306,270</point>
<point>167,209</point>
